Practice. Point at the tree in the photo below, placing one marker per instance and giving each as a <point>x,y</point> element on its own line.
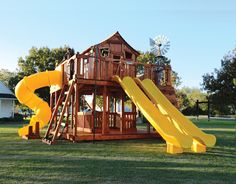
<point>39,60</point>
<point>150,58</point>
<point>187,98</point>
<point>5,76</point>
<point>220,85</point>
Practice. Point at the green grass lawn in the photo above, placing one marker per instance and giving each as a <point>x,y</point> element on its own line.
<point>132,161</point>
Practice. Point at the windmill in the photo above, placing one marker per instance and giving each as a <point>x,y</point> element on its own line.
<point>159,46</point>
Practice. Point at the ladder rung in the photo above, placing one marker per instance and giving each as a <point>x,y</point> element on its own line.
<point>65,114</point>
<point>55,134</point>
<point>71,81</point>
<point>47,141</point>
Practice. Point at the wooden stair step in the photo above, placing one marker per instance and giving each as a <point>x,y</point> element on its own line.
<point>65,114</point>
<point>47,141</point>
<point>64,103</point>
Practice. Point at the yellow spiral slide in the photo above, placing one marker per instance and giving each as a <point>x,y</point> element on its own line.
<point>25,94</point>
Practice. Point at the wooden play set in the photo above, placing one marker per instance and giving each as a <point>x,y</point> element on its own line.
<point>90,75</point>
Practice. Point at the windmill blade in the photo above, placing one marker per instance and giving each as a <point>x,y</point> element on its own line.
<point>154,50</point>
<point>166,48</point>
<point>151,42</point>
<point>163,52</point>
<point>167,44</point>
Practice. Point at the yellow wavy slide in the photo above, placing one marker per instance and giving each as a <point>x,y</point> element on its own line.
<point>175,139</point>
<point>200,139</point>
<point>25,94</point>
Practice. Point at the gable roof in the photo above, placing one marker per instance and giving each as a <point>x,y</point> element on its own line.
<point>117,35</point>
<point>5,92</point>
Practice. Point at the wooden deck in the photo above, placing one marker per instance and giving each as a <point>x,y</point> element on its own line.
<point>114,135</point>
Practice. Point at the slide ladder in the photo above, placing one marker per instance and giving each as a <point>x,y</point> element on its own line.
<point>56,129</point>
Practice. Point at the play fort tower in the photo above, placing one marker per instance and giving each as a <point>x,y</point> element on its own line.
<point>98,94</point>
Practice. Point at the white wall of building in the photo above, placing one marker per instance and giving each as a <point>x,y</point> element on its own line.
<point>6,108</point>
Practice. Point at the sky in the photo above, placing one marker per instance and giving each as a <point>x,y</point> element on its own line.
<point>201,32</point>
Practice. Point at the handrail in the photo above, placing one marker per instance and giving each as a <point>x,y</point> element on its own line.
<point>85,69</point>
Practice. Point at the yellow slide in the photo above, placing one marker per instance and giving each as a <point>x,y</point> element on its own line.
<point>25,94</point>
<point>200,139</point>
<point>174,138</point>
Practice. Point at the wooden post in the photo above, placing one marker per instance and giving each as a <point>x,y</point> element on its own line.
<point>72,113</point>
<point>169,77</point>
<point>93,113</point>
<point>114,104</point>
<point>51,101</point>
<point>56,118</point>
<point>122,112</point>
<point>76,99</point>
<point>114,107</point>
<point>76,107</point>
<point>104,113</point>
<point>122,69</point>
<point>30,131</point>
<point>197,108</point>
<point>134,111</point>
<point>37,132</point>
<point>208,110</point>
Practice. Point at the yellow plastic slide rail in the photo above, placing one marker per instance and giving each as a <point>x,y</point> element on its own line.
<point>25,94</point>
<point>176,140</point>
<point>199,137</point>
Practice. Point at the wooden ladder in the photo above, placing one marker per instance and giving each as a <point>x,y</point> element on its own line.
<point>51,136</point>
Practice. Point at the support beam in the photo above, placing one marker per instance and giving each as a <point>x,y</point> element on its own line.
<point>114,105</point>
<point>105,128</point>
<point>93,113</point>
<point>122,112</point>
<point>134,111</point>
<point>76,107</point>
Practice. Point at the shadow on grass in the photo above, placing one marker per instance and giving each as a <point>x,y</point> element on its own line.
<point>130,161</point>
<point>110,170</point>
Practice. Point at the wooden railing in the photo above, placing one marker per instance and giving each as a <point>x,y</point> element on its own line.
<point>89,67</point>
<point>114,120</point>
<point>129,121</point>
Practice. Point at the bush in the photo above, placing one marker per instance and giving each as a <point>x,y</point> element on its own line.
<point>17,118</point>
<point>191,111</point>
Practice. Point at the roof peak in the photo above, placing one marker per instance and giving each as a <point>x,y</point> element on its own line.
<point>118,34</point>
<point>4,89</point>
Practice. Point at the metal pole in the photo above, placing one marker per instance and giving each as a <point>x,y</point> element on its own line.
<point>208,109</point>
<point>197,108</point>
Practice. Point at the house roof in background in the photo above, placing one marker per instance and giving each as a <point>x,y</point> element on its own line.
<point>9,96</point>
<point>5,92</point>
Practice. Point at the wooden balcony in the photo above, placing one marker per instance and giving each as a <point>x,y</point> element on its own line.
<point>103,69</point>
